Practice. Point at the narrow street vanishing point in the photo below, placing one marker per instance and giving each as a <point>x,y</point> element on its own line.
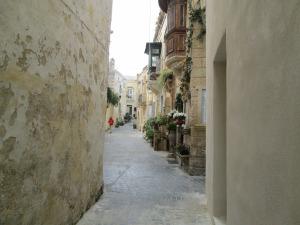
<point>142,188</point>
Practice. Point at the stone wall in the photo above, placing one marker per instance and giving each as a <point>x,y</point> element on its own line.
<point>194,108</point>
<point>53,67</point>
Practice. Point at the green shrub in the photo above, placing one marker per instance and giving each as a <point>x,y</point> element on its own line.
<point>183,149</point>
<point>163,76</point>
<point>149,129</point>
<point>171,126</point>
<point>112,97</point>
<point>162,120</point>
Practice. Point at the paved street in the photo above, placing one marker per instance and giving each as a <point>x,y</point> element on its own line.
<point>142,188</point>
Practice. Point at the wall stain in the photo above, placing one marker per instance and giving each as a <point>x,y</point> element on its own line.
<point>80,37</point>
<point>22,60</point>
<point>96,70</point>
<point>13,117</point>
<point>2,131</point>
<point>57,47</point>
<point>8,146</point>
<point>81,55</point>
<point>4,63</point>
<point>28,38</point>
<point>5,96</point>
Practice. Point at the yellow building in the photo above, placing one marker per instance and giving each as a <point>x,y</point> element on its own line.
<point>129,98</point>
<point>117,83</point>
<point>182,53</point>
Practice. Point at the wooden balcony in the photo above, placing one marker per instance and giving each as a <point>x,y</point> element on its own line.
<point>175,36</point>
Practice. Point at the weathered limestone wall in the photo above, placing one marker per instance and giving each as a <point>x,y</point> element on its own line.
<point>195,110</point>
<point>53,67</point>
<point>253,129</point>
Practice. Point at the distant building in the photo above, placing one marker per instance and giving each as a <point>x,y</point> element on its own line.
<point>130,99</point>
<point>117,82</point>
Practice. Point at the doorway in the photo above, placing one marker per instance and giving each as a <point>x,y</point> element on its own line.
<point>219,133</point>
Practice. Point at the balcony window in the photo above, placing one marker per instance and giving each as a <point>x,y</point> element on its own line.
<point>182,16</point>
<point>153,49</point>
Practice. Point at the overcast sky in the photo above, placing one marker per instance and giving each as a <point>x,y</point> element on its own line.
<point>130,26</point>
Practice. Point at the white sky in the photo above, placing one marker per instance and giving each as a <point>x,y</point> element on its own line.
<point>130,26</point>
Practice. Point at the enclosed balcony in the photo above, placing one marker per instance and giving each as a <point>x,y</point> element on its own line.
<point>153,50</point>
<point>176,31</point>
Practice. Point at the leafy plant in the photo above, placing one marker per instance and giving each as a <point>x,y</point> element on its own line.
<point>149,134</point>
<point>196,15</point>
<point>164,75</point>
<point>112,97</point>
<point>183,149</point>
<point>172,126</point>
<point>162,120</point>
<point>149,129</point>
<point>119,122</point>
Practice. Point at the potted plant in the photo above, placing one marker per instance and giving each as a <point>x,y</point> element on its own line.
<point>172,135</point>
<point>149,130</point>
<point>170,115</point>
<point>183,150</point>
<point>179,118</point>
<point>183,154</point>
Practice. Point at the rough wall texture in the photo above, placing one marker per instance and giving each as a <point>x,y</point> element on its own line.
<point>53,66</point>
<point>195,110</point>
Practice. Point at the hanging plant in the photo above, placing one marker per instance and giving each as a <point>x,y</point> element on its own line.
<point>179,102</point>
<point>195,15</point>
<point>112,97</point>
<point>164,76</point>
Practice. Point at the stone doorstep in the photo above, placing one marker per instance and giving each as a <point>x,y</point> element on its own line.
<point>218,221</point>
<point>196,171</point>
<point>183,159</point>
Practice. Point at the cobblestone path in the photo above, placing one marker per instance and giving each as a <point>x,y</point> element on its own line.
<point>141,188</point>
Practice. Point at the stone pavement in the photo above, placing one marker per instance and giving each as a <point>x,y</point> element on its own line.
<point>141,188</point>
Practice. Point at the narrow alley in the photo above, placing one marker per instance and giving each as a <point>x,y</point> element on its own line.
<point>141,187</point>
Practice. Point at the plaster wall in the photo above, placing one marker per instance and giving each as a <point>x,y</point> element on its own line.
<point>53,76</point>
<point>258,43</point>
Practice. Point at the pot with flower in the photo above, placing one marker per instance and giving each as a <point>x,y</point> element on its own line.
<point>170,115</point>
<point>162,121</point>
<point>179,118</point>
<point>183,155</point>
<point>172,136</point>
<point>149,131</point>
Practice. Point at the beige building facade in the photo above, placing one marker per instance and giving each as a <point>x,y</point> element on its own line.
<point>253,55</point>
<point>117,83</point>
<point>130,100</point>
<point>184,55</point>
<point>53,72</point>
<point>142,95</point>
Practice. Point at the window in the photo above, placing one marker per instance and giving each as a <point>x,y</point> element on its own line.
<point>171,17</point>
<point>182,16</point>
<point>130,93</point>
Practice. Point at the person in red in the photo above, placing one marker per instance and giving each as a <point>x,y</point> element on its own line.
<point>110,123</point>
